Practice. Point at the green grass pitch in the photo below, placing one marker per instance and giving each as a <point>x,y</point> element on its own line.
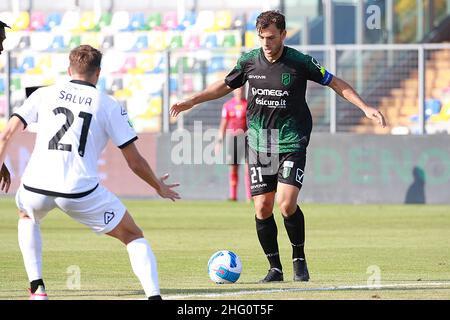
<point>347,247</point>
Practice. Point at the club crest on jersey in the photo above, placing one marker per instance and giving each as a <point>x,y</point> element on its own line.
<point>108,216</point>
<point>285,78</point>
<point>287,166</point>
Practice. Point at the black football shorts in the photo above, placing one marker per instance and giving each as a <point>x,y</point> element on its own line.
<point>266,170</point>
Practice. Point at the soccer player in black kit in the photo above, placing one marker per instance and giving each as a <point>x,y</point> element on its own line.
<point>279,127</point>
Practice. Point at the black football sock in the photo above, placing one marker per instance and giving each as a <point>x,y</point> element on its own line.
<point>295,227</point>
<point>267,234</point>
<point>35,284</point>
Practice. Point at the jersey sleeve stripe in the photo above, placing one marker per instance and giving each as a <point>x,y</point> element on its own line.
<point>25,124</point>
<point>128,142</point>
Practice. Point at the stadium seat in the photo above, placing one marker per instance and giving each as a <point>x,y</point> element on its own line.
<point>176,41</point>
<point>193,41</point>
<point>251,21</point>
<point>2,86</point>
<point>27,63</point>
<point>432,107</point>
<point>443,115</point>
<point>229,40</point>
<point>188,21</point>
<point>22,21</point>
<point>205,21</point>
<point>148,63</point>
<point>103,22</point>
<point>250,39</point>
<point>15,84</point>
<point>238,21</point>
<point>57,43</point>
<point>24,42</point>
<point>173,84</point>
<point>53,20</point>
<point>154,20</point>
<point>70,22</point>
<point>210,41</point>
<point>3,105</point>
<point>116,84</point>
<point>216,64</point>
<point>74,41</point>
<point>87,21</point>
<point>144,63</point>
<point>137,22</point>
<point>40,41</point>
<point>181,62</point>
<point>130,63</point>
<point>37,21</point>
<point>155,105</point>
<point>141,43</point>
<point>169,21</point>
<point>223,20</point>
<point>13,40</point>
<point>158,40</point>
<point>91,38</point>
<point>160,67</point>
<point>43,65</point>
<point>108,42</point>
<point>188,84</point>
<point>120,21</point>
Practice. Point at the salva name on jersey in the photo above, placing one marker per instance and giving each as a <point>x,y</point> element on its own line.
<point>66,96</point>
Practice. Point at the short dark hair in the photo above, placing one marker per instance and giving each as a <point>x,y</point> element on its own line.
<point>85,59</point>
<point>266,18</point>
<point>4,25</point>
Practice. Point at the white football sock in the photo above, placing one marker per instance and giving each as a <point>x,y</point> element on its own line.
<point>30,243</point>
<point>143,262</point>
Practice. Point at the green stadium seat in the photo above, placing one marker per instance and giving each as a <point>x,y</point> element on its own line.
<point>154,20</point>
<point>104,21</point>
<point>229,40</point>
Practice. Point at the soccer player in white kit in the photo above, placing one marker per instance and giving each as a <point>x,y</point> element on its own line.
<point>5,176</point>
<point>74,121</point>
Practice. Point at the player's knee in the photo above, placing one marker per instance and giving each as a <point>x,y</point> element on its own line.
<point>132,235</point>
<point>263,209</point>
<point>287,208</point>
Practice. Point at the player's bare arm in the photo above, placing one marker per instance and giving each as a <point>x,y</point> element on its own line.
<point>13,126</point>
<point>343,89</point>
<point>214,91</point>
<point>5,179</point>
<point>143,170</point>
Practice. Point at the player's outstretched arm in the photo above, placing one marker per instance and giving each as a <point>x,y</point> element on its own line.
<point>5,178</point>
<point>214,91</point>
<point>12,127</point>
<point>343,89</point>
<point>143,170</point>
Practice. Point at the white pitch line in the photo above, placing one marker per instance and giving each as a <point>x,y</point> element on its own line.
<point>336,288</point>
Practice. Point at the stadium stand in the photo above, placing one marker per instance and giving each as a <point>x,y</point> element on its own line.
<point>141,36</point>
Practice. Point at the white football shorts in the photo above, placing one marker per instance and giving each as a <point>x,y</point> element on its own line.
<point>100,210</point>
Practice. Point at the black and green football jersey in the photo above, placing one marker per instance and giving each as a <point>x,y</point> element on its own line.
<point>278,117</point>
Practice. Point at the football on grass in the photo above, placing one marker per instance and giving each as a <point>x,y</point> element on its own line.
<point>224,266</point>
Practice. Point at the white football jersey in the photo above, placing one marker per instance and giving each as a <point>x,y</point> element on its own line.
<point>73,122</point>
